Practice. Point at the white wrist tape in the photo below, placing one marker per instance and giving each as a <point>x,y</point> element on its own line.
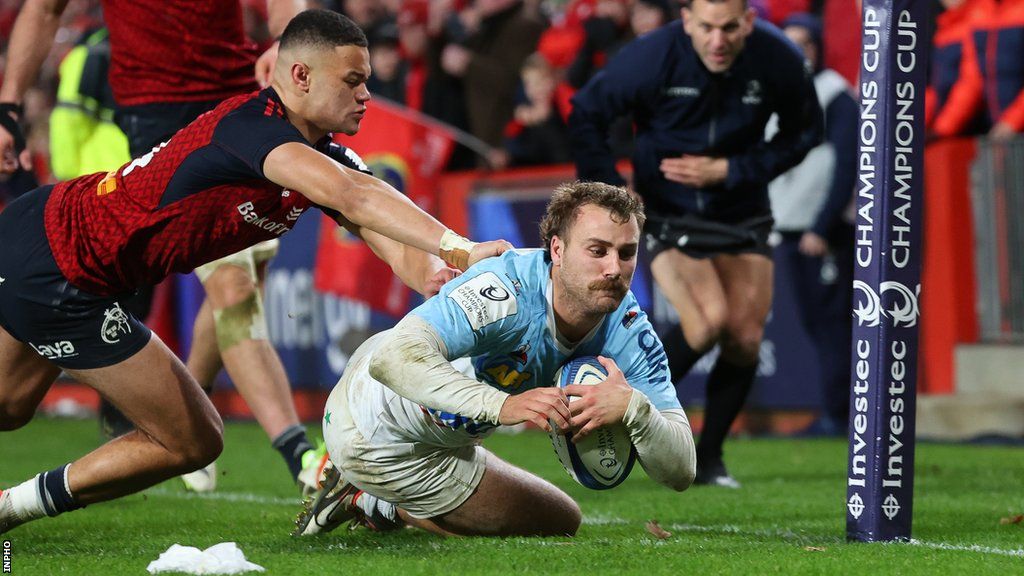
<point>455,249</point>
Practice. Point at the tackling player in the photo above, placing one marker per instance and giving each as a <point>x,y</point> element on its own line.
<point>403,426</point>
<point>164,72</point>
<point>238,175</point>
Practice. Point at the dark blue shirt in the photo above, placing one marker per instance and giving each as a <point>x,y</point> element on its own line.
<point>679,107</point>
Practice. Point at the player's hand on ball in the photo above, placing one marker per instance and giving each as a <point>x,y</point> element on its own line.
<point>599,404</point>
<point>537,406</point>
<point>487,249</point>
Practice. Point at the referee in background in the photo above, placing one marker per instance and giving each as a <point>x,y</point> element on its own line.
<point>701,95</point>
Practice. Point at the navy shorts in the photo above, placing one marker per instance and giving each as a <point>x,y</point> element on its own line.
<point>38,306</point>
<point>147,125</point>
<point>699,237</point>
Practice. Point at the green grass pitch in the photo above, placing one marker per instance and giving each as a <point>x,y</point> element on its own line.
<point>788,518</point>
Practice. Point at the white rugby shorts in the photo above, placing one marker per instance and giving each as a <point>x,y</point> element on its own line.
<point>424,480</point>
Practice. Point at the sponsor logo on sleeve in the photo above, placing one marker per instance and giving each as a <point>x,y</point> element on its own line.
<point>484,299</point>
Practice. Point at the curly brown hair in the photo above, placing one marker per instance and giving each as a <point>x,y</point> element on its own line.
<point>568,198</point>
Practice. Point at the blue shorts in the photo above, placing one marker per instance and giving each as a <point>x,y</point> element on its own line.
<point>38,306</point>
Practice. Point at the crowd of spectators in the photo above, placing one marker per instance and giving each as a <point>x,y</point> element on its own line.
<point>504,71</point>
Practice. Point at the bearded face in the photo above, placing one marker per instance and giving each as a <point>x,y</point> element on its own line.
<point>594,262</point>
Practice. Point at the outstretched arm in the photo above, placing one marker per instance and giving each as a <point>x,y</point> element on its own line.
<point>371,204</point>
<point>413,362</point>
<point>423,272</point>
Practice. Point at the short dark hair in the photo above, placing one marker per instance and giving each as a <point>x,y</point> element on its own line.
<point>569,198</point>
<point>322,29</point>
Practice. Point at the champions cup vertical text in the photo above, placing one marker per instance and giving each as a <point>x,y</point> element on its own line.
<point>887,270</point>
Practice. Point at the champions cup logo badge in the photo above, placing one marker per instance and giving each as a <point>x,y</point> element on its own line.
<point>115,323</point>
<point>904,311</point>
<point>495,293</point>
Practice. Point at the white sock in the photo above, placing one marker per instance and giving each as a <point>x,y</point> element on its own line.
<point>25,501</point>
<point>367,503</point>
<point>374,507</point>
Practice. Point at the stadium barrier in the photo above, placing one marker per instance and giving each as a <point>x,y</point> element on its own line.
<point>997,178</point>
<point>315,332</point>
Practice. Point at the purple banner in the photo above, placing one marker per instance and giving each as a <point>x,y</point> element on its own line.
<point>887,271</point>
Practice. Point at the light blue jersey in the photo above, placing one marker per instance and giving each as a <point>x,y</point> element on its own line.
<point>499,313</point>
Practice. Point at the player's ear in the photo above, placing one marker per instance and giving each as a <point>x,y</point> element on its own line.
<point>686,15</point>
<point>748,21</point>
<point>556,247</point>
<point>300,76</point>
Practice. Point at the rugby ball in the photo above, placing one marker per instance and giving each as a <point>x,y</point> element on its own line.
<point>604,458</point>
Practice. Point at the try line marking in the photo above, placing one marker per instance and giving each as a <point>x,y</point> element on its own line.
<point>605,520</point>
<point>804,538</point>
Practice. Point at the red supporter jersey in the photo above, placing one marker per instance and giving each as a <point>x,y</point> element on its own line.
<point>198,197</point>
<point>178,51</point>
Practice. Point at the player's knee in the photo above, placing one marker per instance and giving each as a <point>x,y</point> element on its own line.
<point>563,518</point>
<point>239,322</point>
<point>238,310</point>
<point>12,419</point>
<point>704,337</point>
<point>742,344</point>
<point>203,445</point>
<point>228,286</point>
<point>202,452</point>
<point>570,521</point>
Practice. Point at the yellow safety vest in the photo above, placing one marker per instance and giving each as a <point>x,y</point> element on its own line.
<point>83,136</point>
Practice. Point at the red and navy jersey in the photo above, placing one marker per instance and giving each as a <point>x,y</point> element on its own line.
<point>178,51</point>
<point>198,197</point>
